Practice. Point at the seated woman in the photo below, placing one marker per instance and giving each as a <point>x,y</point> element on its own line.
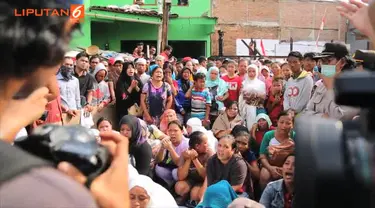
<point>220,194</point>
<point>168,116</point>
<point>104,124</point>
<point>228,165</point>
<point>225,122</point>
<point>139,149</point>
<point>170,153</point>
<point>243,146</point>
<point>276,145</point>
<point>192,168</point>
<point>280,193</point>
<point>258,130</point>
<point>195,124</point>
<point>144,193</point>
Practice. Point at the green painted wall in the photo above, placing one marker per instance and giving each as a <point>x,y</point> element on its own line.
<point>99,32</point>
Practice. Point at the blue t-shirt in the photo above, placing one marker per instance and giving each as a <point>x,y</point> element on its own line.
<point>199,100</point>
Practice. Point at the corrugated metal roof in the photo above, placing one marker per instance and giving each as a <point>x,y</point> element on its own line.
<point>143,12</point>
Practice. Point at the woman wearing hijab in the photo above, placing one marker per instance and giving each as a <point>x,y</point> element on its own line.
<point>168,116</point>
<point>128,90</point>
<point>219,92</point>
<point>252,96</point>
<point>218,195</point>
<point>226,121</point>
<point>139,149</point>
<point>145,193</point>
<point>182,104</point>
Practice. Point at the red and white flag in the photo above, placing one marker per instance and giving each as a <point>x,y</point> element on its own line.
<point>262,47</point>
<point>321,28</point>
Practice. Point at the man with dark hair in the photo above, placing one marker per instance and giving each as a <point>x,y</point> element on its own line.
<point>167,52</point>
<point>86,81</point>
<point>202,68</point>
<point>299,86</point>
<point>309,62</point>
<point>94,60</point>
<point>33,49</point>
<point>138,51</point>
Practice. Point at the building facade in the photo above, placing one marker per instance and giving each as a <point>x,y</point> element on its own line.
<point>120,26</point>
<point>276,20</point>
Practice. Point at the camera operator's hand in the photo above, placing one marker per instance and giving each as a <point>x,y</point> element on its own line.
<point>110,189</point>
<point>358,14</point>
<point>17,113</point>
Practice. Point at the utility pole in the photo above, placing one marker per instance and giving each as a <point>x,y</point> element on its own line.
<point>165,22</point>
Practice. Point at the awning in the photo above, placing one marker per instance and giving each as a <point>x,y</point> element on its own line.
<point>122,14</point>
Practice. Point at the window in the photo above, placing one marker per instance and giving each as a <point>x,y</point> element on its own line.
<point>180,2</point>
<point>145,2</point>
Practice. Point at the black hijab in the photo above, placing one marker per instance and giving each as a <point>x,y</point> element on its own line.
<point>185,83</point>
<point>135,125</point>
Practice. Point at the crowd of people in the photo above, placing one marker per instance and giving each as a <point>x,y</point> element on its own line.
<point>195,123</point>
<point>194,132</point>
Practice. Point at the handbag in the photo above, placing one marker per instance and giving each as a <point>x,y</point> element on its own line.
<point>278,153</point>
<point>135,110</point>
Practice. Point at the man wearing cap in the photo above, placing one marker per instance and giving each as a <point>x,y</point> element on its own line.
<point>334,60</point>
<point>364,59</point>
<point>140,65</point>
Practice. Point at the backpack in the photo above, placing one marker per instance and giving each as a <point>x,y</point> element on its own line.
<point>14,162</point>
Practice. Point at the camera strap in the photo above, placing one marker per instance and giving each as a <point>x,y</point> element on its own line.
<point>14,161</point>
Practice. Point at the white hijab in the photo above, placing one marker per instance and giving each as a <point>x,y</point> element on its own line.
<point>196,125</point>
<point>247,112</point>
<point>254,84</point>
<point>159,196</point>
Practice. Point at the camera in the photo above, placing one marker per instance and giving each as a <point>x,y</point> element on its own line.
<point>335,160</point>
<point>73,144</point>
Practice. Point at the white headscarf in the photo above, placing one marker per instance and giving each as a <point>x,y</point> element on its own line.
<point>254,84</point>
<point>159,196</point>
<point>265,117</point>
<point>196,125</point>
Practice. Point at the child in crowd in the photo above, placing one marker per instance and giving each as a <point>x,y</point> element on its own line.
<point>243,146</point>
<point>192,168</point>
<point>234,81</point>
<point>287,72</point>
<point>275,100</point>
<point>258,130</point>
<point>200,99</point>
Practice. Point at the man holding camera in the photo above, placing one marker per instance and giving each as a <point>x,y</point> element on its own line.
<point>33,48</point>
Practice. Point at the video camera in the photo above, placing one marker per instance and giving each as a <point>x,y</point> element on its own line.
<point>73,144</point>
<point>335,160</point>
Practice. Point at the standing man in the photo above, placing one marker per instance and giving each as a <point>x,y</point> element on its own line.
<point>242,68</point>
<point>69,91</point>
<point>94,60</point>
<point>138,51</point>
<point>167,52</point>
<point>86,82</point>
<point>309,62</point>
<point>140,65</point>
<point>299,86</point>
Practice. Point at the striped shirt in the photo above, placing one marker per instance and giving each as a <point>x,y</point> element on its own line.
<point>199,100</point>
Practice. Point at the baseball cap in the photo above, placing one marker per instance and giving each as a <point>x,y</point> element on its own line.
<point>337,50</point>
<point>111,61</point>
<point>186,59</point>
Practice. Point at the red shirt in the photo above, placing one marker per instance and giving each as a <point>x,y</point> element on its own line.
<point>276,110</point>
<point>259,135</point>
<point>166,57</point>
<point>234,84</point>
<point>54,110</point>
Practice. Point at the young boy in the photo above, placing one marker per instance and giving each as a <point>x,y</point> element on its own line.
<point>243,146</point>
<point>200,99</point>
<point>234,81</point>
<point>275,100</point>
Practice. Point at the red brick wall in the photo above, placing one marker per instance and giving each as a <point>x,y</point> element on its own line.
<point>274,19</point>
